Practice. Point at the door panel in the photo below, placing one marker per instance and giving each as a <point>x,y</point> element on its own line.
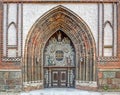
<point>59,78</point>
<point>55,78</point>
<point>63,78</point>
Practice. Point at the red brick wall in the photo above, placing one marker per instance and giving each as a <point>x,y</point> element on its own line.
<point>109,65</point>
<point>110,81</point>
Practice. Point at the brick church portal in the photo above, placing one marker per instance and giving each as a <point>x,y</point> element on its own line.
<point>59,44</point>
<point>60,51</point>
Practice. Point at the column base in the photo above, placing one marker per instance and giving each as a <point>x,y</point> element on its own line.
<point>32,86</point>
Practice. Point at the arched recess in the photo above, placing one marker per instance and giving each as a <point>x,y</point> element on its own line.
<point>12,34</point>
<point>12,40</point>
<point>63,19</point>
<point>108,39</point>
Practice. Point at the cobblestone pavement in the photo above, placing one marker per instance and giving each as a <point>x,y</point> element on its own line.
<point>60,91</point>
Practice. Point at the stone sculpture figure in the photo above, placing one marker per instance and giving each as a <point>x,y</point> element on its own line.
<point>59,37</point>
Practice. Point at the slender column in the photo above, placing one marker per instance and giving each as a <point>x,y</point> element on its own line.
<point>87,69</point>
<point>83,65</point>
<point>98,27</point>
<point>68,83</point>
<point>49,80</point>
<point>102,29</point>
<point>46,77</point>
<point>113,30</point>
<point>80,68</point>
<point>77,54</point>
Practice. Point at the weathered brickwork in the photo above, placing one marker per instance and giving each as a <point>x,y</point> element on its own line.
<point>10,80</point>
<point>109,79</point>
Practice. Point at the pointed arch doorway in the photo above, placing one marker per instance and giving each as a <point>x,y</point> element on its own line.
<point>59,51</point>
<point>59,61</point>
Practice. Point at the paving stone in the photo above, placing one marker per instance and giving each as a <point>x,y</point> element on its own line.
<point>59,91</point>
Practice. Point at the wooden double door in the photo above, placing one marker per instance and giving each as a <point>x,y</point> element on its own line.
<point>59,78</point>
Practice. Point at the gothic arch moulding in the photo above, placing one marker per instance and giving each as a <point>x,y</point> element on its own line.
<point>63,19</point>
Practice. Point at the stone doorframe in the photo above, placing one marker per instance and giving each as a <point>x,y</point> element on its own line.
<point>60,18</point>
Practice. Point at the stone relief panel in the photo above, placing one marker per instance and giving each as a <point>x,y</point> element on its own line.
<point>59,52</point>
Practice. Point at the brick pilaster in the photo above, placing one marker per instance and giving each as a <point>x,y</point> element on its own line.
<point>1,21</point>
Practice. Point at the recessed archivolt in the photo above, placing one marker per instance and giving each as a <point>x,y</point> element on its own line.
<point>59,14</point>
<point>60,18</point>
